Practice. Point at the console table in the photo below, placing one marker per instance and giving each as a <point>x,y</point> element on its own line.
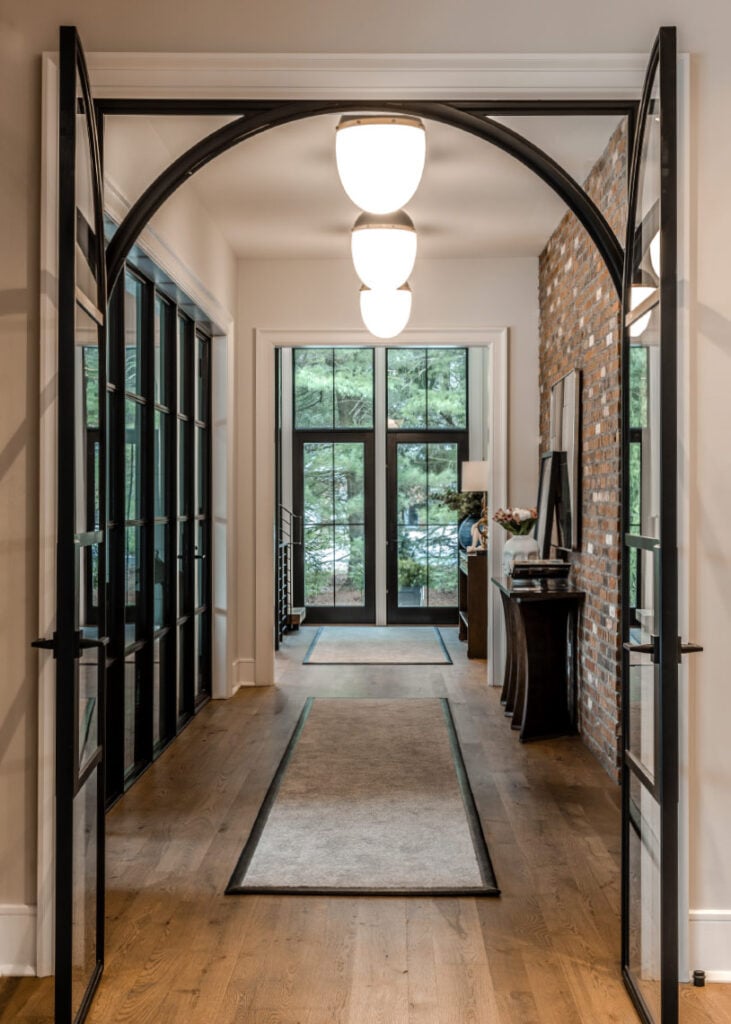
<point>540,669</point>
<point>473,602</point>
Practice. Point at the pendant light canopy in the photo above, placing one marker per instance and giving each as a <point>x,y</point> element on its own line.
<point>385,312</point>
<point>384,249</point>
<point>380,160</point>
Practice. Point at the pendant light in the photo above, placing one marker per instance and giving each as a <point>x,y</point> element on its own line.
<point>384,249</point>
<point>380,160</point>
<point>385,312</point>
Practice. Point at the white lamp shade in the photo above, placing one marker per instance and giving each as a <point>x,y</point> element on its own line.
<point>380,160</point>
<point>655,254</point>
<point>384,249</point>
<point>474,476</point>
<point>385,312</point>
<point>638,294</point>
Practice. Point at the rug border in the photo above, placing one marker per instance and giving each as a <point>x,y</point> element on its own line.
<point>490,886</point>
<point>313,643</point>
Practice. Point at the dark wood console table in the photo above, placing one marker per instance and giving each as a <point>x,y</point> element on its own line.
<point>473,602</point>
<point>540,669</point>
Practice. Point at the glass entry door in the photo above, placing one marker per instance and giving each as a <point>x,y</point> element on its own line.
<point>650,566</point>
<point>79,642</point>
<point>422,569</point>
<point>334,574</point>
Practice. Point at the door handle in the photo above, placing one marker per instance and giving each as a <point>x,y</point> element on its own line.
<point>687,649</point>
<point>82,643</point>
<point>653,648</point>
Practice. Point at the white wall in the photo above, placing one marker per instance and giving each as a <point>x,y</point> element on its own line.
<point>323,294</point>
<point>26,29</point>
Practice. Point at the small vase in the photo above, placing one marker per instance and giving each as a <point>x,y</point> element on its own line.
<point>465,531</point>
<point>519,549</point>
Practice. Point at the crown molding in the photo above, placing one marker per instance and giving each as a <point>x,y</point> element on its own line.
<point>319,76</point>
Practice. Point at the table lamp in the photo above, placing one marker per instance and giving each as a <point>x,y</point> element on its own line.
<point>474,478</point>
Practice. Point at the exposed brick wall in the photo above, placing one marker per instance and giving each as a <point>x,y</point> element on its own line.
<point>579,329</point>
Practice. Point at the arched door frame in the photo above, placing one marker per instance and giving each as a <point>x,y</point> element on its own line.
<point>257,118</point>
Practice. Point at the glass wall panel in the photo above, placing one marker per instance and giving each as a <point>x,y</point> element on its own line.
<point>353,388</point>
<point>133,724</point>
<point>313,389</point>
<point>133,449</point>
<point>184,467</point>
<point>133,343</point>
<point>447,389</point>
<point>201,564</point>
<point>160,690</point>
<point>644,894</point>
<point>333,476</point>
<point>184,360</point>
<point>406,381</point>
<point>132,582</point>
<point>84,887</point>
<point>333,388</point>
<point>162,576</point>
<point>200,502</point>
<point>201,378</point>
<point>163,316</point>
<point>427,388</point>
<point>427,531</point>
<point>161,466</point>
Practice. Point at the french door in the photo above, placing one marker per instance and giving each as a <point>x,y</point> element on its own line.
<point>422,547</point>
<point>334,501</point>
<point>652,648</point>
<point>80,640</point>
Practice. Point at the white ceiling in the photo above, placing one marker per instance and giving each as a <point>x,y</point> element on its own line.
<point>278,195</point>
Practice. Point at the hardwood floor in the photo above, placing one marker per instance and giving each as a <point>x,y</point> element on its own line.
<point>179,951</point>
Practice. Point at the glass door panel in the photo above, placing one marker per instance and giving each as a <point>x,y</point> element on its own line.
<point>79,641</point>
<point>334,494</point>
<point>423,547</point>
<point>650,570</point>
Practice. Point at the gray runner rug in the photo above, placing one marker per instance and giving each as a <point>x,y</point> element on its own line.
<point>377,645</point>
<point>371,796</point>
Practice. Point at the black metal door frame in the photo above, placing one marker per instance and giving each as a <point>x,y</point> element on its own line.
<point>473,117</point>
<point>73,994</point>
<point>365,613</point>
<point>396,615</point>
<point>665,649</point>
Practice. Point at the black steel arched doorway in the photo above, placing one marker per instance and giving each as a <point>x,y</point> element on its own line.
<point>257,118</point>
<point>82,306</point>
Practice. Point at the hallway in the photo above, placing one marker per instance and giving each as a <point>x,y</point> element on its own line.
<point>547,951</point>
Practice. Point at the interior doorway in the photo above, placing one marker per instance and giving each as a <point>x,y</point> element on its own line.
<point>609,252</point>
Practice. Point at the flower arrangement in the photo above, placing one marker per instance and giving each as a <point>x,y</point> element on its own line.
<point>517,521</point>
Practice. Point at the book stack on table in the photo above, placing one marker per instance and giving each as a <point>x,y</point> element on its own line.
<point>541,569</point>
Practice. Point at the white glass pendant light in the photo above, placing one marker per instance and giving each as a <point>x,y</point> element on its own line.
<point>655,253</point>
<point>384,249</point>
<point>385,312</point>
<point>380,160</point>
<point>638,294</point>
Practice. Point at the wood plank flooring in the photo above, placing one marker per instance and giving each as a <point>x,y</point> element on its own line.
<point>546,952</point>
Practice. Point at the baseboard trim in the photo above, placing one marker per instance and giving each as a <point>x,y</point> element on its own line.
<point>244,673</point>
<point>709,932</point>
<point>17,940</point>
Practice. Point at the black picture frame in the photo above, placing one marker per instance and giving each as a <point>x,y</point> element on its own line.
<point>552,471</point>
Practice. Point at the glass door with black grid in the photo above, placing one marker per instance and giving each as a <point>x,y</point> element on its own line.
<point>427,440</point>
